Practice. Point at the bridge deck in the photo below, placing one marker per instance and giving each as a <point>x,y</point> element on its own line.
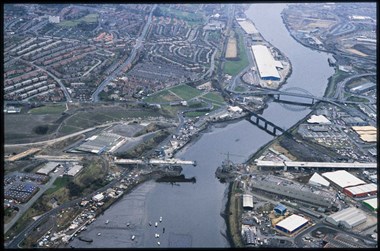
<point>155,161</point>
<point>266,163</point>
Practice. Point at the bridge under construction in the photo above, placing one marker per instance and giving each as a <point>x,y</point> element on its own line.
<point>308,165</point>
<point>155,162</point>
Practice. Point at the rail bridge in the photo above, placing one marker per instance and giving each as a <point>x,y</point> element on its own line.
<point>265,124</point>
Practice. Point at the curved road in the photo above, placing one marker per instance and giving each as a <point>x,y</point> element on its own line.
<point>139,41</point>
<point>51,141</point>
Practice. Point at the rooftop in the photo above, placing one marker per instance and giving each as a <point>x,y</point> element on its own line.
<point>292,222</point>
<point>343,178</point>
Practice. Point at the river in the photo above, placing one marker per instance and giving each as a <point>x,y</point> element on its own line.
<point>191,211</point>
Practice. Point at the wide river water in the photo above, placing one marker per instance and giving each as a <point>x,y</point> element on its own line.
<point>191,212</point>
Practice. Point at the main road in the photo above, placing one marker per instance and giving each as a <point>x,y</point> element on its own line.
<point>139,41</point>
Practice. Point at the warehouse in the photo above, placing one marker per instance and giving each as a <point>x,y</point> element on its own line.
<point>371,204</point>
<point>342,179</point>
<point>49,167</point>
<point>363,87</point>
<point>247,201</point>
<point>348,218</point>
<point>265,62</point>
<point>74,170</point>
<point>361,191</point>
<point>291,224</point>
<point>318,180</point>
<point>293,193</point>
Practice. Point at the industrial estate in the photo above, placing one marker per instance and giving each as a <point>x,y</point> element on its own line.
<point>99,98</point>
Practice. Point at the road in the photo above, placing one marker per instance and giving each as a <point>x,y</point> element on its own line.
<point>63,87</point>
<point>52,141</point>
<point>339,90</point>
<point>139,41</point>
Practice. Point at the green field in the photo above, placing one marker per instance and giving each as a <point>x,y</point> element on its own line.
<point>184,91</point>
<point>214,97</point>
<point>58,183</point>
<point>161,97</point>
<point>191,17</point>
<point>90,18</point>
<point>49,109</point>
<point>234,67</point>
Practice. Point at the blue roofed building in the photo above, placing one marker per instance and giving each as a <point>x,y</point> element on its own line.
<point>280,209</point>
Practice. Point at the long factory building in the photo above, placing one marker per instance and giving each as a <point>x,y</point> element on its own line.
<point>293,193</point>
<point>266,64</point>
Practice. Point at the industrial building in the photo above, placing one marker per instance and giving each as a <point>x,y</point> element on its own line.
<point>247,26</point>
<point>293,193</point>
<point>280,209</point>
<point>348,218</point>
<point>361,190</point>
<point>291,224</point>
<point>366,133</point>
<point>371,204</point>
<point>75,169</point>
<point>100,143</point>
<point>98,197</point>
<point>363,87</point>
<point>247,201</point>
<point>343,179</point>
<point>266,64</point>
<point>318,180</point>
<point>354,121</point>
<point>47,168</point>
<point>318,119</point>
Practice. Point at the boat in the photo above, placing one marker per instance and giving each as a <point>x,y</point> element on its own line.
<point>158,243</point>
<point>107,221</point>
<point>127,224</point>
<point>85,239</point>
<point>99,234</point>
<point>133,237</point>
<point>160,218</point>
<point>156,235</point>
<point>156,224</point>
<point>150,223</point>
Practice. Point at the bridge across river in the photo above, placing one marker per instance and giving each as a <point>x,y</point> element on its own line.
<point>277,96</point>
<point>309,165</point>
<point>155,162</point>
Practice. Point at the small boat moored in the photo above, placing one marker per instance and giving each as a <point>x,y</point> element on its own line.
<point>133,237</point>
<point>156,224</point>
<point>160,218</point>
<point>158,243</point>
<point>107,221</point>
<point>99,234</point>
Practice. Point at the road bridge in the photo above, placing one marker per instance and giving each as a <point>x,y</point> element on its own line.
<point>59,158</point>
<point>155,162</point>
<point>277,96</point>
<point>311,165</point>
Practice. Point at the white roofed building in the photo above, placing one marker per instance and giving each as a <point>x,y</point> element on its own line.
<point>291,224</point>
<point>361,190</point>
<point>265,62</point>
<point>247,201</point>
<point>318,119</point>
<point>348,218</point>
<point>318,180</point>
<point>343,179</point>
<point>371,203</point>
